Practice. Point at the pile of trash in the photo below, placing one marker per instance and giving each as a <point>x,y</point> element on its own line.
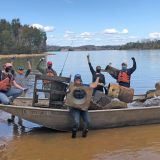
<point>155,101</point>
<point>102,101</point>
<point>152,98</point>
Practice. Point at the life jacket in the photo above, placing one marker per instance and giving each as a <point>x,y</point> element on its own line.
<point>123,77</point>
<point>5,82</point>
<point>50,73</point>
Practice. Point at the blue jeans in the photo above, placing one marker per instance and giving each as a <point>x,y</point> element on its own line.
<point>12,92</point>
<point>76,114</point>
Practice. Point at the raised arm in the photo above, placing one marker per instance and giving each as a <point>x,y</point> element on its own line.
<point>29,68</point>
<point>131,70</point>
<point>90,66</point>
<point>40,67</point>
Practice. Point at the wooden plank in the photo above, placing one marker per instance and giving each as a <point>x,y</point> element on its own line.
<point>55,78</point>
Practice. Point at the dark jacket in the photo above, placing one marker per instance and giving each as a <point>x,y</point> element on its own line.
<point>129,72</point>
<point>94,77</point>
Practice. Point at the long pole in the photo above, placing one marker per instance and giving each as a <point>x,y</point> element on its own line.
<point>65,61</point>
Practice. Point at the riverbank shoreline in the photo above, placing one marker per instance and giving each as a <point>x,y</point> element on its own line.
<point>3,56</point>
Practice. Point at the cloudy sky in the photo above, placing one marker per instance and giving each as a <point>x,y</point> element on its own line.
<point>81,22</point>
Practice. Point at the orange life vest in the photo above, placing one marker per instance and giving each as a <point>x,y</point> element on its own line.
<point>5,81</point>
<point>123,77</point>
<point>50,74</point>
<point>5,84</point>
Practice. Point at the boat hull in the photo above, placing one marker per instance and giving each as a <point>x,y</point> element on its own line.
<point>60,119</point>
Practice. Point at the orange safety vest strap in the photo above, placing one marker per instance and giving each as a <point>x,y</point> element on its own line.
<point>123,77</point>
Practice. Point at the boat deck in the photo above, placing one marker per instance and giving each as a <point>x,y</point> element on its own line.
<point>42,103</point>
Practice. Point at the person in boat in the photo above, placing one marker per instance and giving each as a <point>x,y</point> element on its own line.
<point>97,74</point>
<point>22,75</point>
<point>49,71</point>
<point>9,89</point>
<point>124,75</point>
<point>78,113</point>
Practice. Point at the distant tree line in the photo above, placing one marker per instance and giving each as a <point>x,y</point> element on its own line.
<point>81,48</point>
<point>17,38</point>
<point>147,44</point>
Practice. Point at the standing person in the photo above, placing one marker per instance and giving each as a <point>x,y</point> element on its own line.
<point>22,76</point>
<point>78,113</point>
<point>95,75</point>
<point>49,71</point>
<point>124,75</point>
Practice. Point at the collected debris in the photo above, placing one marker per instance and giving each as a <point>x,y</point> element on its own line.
<point>124,94</point>
<point>101,101</point>
<point>116,104</point>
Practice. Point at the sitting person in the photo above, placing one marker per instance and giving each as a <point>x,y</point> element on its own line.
<point>78,113</point>
<point>7,92</point>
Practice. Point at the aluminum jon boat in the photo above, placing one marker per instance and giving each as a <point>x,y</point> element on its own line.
<point>60,119</point>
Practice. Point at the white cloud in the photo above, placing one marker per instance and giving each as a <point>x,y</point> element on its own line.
<point>114,31</point>
<point>124,31</point>
<point>154,35</point>
<point>44,28</point>
<point>110,31</point>
<point>86,36</point>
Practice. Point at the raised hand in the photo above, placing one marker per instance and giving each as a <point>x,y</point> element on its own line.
<point>133,58</point>
<point>88,58</point>
<point>42,59</point>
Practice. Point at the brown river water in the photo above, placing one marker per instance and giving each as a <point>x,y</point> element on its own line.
<point>37,143</point>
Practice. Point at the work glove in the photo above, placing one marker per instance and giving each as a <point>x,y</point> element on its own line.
<point>42,59</point>
<point>25,89</point>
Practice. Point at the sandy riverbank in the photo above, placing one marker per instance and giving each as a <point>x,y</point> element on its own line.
<point>22,55</point>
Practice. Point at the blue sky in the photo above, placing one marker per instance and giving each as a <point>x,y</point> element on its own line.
<point>80,22</point>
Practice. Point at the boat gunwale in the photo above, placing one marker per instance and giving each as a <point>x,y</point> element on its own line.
<point>67,110</point>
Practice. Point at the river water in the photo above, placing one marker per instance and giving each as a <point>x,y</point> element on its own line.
<point>28,141</point>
